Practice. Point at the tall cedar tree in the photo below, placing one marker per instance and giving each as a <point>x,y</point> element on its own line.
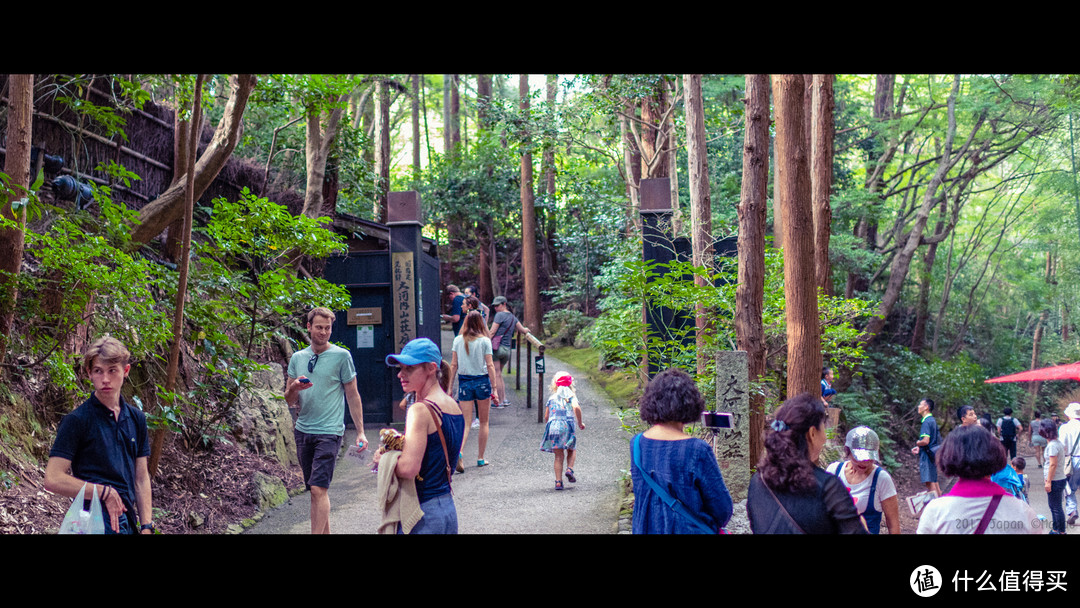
<point>793,192</point>
<point>750,291</point>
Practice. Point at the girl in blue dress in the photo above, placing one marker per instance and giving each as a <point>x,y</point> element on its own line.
<point>562,411</point>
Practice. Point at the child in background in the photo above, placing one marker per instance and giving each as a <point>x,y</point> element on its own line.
<point>1018,465</point>
<point>559,435</point>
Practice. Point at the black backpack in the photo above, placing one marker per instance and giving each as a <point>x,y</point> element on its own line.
<point>1008,428</point>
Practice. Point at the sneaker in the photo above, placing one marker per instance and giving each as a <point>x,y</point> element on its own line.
<point>476,423</point>
<point>1072,519</point>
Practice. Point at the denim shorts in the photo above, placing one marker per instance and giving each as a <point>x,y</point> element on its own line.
<point>440,516</point>
<point>318,455</point>
<point>473,388</point>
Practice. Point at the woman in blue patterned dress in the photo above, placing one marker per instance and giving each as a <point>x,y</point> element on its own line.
<point>562,411</point>
<point>678,487</point>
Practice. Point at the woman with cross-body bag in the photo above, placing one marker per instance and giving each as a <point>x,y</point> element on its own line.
<point>678,488</point>
<point>788,493</point>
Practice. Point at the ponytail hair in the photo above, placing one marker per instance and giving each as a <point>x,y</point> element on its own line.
<point>443,375</point>
<point>786,466</point>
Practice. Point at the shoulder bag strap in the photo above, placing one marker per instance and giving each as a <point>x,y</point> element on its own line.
<point>436,413</point>
<point>674,503</point>
<point>989,514</point>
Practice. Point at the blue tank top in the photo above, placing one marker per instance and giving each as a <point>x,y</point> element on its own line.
<point>433,480</point>
<point>871,515</point>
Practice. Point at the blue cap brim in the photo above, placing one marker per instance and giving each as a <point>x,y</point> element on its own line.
<point>396,360</point>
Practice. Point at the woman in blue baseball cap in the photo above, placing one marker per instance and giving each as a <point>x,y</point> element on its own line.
<point>433,430</point>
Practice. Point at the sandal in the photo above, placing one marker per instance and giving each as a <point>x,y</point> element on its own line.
<point>460,465</point>
<point>482,463</point>
<point>570,475</point>
<point>558,484</point>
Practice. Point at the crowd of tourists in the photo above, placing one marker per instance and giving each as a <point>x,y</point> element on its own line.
<point>99,457</point>
<point>679,488</point>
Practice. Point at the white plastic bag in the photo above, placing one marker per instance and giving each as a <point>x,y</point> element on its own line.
<point>78,521</point>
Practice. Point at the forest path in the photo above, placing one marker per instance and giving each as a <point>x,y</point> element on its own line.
<point>516,493</point>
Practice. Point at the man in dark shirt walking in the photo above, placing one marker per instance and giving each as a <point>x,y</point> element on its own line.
<point>927,446</point>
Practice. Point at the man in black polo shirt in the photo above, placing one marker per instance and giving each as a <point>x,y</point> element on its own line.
<point>104,444</point>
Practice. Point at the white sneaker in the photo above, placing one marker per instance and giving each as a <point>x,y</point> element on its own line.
<point>476,423</point>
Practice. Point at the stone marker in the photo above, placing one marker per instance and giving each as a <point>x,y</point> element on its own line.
<point>732,445</point>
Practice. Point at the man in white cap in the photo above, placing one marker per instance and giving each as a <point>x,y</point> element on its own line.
<point>1069,435</point>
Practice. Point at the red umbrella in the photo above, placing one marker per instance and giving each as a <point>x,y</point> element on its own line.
<point>1070,371</point>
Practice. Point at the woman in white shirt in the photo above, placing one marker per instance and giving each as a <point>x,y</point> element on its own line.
<point>869,484</point>
<point>471,362</point>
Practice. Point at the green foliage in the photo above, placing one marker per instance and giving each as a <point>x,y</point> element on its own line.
<point>83,275</point>
<point>8,480</point>
<point>619,332</point>
<point>243,291</point>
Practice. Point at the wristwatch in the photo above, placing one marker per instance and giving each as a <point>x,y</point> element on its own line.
<point>149,526</point>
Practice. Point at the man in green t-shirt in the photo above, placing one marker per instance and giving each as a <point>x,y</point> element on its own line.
<point>321,379</point>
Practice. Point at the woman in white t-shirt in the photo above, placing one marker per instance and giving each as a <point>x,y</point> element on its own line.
<point>870,485</point>
<point>471,362</point>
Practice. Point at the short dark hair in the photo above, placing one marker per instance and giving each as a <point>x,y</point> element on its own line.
<point>1019,463</point>
<point>971,452</point>
<point>1007,411</point>
<point>671,396</point>
<point>962,411</point>
<point>929,403</point>
<point>825,371</point>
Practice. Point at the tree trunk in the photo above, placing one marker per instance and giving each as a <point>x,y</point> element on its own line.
<point>654,161</point>
<point>793,182</point>
<point>866,227</point>
<point>700,207</point>
<point>548,213</point>
<point>171,370</point>
<point>488,266</point>
<point>455,118</point>
<point>632,160</point>
<point>528,226</point>
<point>17,167</point>
<point>483,98</point>
<point>750,291</point>
<point>821,145</point>
<point>382,147</point>
<point>156,215</point>
<point>902,261</point>
<point>922,307</point>
<point>1036,343</point>
<point>415,81</point>
<point>321,130</point>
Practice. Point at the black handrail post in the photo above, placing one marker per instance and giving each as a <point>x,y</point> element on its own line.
<point>528,374</point>
<point>540,387</point>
